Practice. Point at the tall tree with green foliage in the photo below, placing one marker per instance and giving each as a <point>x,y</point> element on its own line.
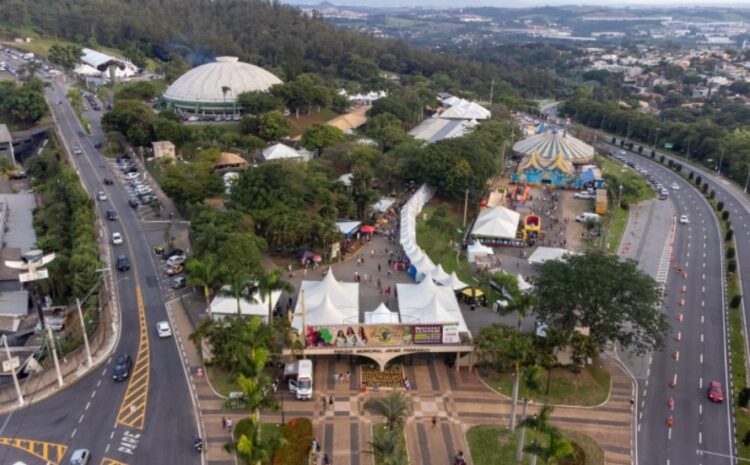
<point>65,55</point>
<point>269,282</point>
<point>612,298</point>
<point>205,272</point>
<point>394,407</point>
<point>320,136</point>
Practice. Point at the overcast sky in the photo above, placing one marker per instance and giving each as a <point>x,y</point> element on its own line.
<point>526,3</point>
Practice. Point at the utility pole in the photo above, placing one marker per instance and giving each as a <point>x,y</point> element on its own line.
<point>747,181</point>
<point>54,356</point>
<point>721,160</point>
<point>656,140</point>
<point>492,90</point>
<point>12,364</point>
<point>466,205</point>
<point>85,336</point>
<point>521,440</point>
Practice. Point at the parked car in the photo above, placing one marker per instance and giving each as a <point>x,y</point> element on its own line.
<point>16,175</point>
<point>170,253</point>
<point>108,181</point>
<point>123,365</point>
<point>163,329</point>
<point>116,238</point>
<point>79,457</point>
<point>133,203</point>
<point>175,260</point>
<point>123,264</point>
<point>178,282</point>
<point>111,215</point>
<point>588,216</point>
<point>101,196</point>
<point>715,392</point>
<point>584,196</point>
<point>131,176</point>
<point>175,270</point>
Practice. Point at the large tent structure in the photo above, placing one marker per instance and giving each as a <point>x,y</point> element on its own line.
<point>382,316</point>
<point>326,302</point>
<point>427,302</point>
<point>496,222</point>
<point>550,145</point>
<point>224,305</point>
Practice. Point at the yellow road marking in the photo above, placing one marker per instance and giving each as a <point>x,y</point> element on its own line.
<point>47,451</point>
<point>109,461</point>
<point>133,408</point>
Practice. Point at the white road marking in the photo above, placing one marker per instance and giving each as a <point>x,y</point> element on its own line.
<point>73,434</point>
<point>701,358</point>
<point>80,419</point>
<point>700,382</point>
<point>88,404</point>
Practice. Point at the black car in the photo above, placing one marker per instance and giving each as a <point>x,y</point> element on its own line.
<point>98,145</point>
<point>123,365</point>
<point>171,253</point>
<point>18,175</point>
<point>111,215</point>
<point>123,264</point>
<point>130,169</point>
<point>108,181</point>
<point>133,203</point>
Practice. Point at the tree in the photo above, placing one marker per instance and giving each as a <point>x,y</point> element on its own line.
<point>67,56</point>
<point>274,126</point>
<point>556,449</point>
<point>204,272</point>
<point>319,136</point>
<point>612,298</point>
<point>270,282</point>
<point>395,407</point>
<point>238,286</point>
<point>361,188</point>
<point>387,449</point>
<point>259,102</point>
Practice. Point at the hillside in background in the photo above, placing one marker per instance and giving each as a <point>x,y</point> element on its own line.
<point>270,34</point>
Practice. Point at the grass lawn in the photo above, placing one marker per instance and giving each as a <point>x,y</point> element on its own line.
<point>300,124</point>
<point>495,445</point>
<point>589,387</point>
<point>618,219</point>
<point>221,381</point>
<point>379,429</point>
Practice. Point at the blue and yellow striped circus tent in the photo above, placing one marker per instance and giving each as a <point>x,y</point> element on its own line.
<point>550,147</point>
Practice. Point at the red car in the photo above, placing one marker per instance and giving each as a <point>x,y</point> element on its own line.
<point>715,393</point>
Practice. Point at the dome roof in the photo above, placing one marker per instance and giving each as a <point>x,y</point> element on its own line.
<point>204,83</point>
<point>549,145</point>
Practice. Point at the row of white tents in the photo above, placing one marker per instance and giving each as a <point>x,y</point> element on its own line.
<point>423,265</point>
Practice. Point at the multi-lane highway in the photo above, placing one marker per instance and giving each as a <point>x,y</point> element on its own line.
<point>676,382</point>
<point>148,419</point>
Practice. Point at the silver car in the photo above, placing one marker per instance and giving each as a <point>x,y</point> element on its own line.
<point>79,457</point>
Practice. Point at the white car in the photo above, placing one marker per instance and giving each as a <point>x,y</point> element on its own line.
<point>132,176</point>
<point>163,329</point>
<point>116,238</point>
<point>101,196</point>
<point>176,260</point>
<point>684,219</point>
<point>77,151</point>
<point>79,457</point>
<point>584,196</point>
<point>675,187</point>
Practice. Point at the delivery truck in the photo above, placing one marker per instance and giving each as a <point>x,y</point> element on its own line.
<point>300,377</point>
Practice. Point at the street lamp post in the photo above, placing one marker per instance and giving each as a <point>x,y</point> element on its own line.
<point>656,139</point>
<point>747,181</point>
<point>721,160</point>
<point>85,336</point>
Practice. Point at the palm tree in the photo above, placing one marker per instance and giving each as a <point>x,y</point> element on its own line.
<point>556,449</point>
<point>239,286</point>
<point>521,303</point>
<point>516,350</point>
<point>395,407</point>
<point>269,282</point>
<point>387,448</point>
<point>204,273</point>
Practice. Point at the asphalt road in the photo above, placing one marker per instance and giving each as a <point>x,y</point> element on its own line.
<point>696,351</point>
<point>148,419</point>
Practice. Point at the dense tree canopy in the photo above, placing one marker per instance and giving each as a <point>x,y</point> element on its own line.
<point>67,56</point>
<point>23,104</point>
<point>613,299</point>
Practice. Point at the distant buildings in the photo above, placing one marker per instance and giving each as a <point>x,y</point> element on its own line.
<point>164,149</point>
<point>104,66</point>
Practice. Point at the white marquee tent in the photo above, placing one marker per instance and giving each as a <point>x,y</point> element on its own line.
<point>428,303</point>
<point>381,315</point>
<point>223,305</point>
<point>327,302</point>
<point>543,254</point>
<point>477,250</point>
<point>496,222</point>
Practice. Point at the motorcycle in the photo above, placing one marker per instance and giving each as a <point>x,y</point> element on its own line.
<point>198,444</point>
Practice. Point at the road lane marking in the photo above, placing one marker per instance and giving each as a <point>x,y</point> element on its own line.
<point>50,452</point>
<point>132,411</point>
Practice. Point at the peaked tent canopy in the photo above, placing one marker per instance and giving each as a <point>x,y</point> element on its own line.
<point>465,109</point>
<point>223,305</point>
<point>454,283</point>
<point>496,222</point>
<point>321,298</point>
<point>551,144</point>
<point>381,315</point>
<point>280,152</point>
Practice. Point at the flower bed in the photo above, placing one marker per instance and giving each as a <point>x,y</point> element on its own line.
<point>392,377</point>
<point>297,437</point>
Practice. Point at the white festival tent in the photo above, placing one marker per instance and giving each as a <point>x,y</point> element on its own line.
<point>477,250</point>
<point>381,315</point>
<point>454,283</point>
<point>439,275</point>
<point>224,305</point>
<point>327,301</point>
<point>523,285</point>
<point>543,254</point>
<point>496,222</point>
<point>425,302</point>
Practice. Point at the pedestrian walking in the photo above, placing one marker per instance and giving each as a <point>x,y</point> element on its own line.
<point>348,375</point>
<point>325,403</point>
<point>378,267</point>
<point>434,421</point>
<point>380,284</point>
<point>326,460</point>
<point>229,424</point>
<point>341,377</point>
<point>224,422</point>
<point>330,399</point>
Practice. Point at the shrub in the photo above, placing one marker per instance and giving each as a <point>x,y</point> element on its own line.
<point>725,215</point>
<point>678,167</point>
<point>729,235</point>
<point>653,154</point>
<point>297,436</point>
<point>640,149</point>
<point>630,146</point>
<point>712,194</point>
<point>670,163</point>
<point>731,266</point>
<point>744,397</point>
<point>704,188</point>
<point>736,300</point>
<point>622,142</point>
<point>720,205</point>
<point>614,139</point>
<point>731,253</point>
<point>661,159</point>
<point>691,176</point>
<point>698,180</point>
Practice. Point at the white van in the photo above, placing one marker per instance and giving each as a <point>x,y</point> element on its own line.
<point>588,216</point>
<point>300,375</point>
